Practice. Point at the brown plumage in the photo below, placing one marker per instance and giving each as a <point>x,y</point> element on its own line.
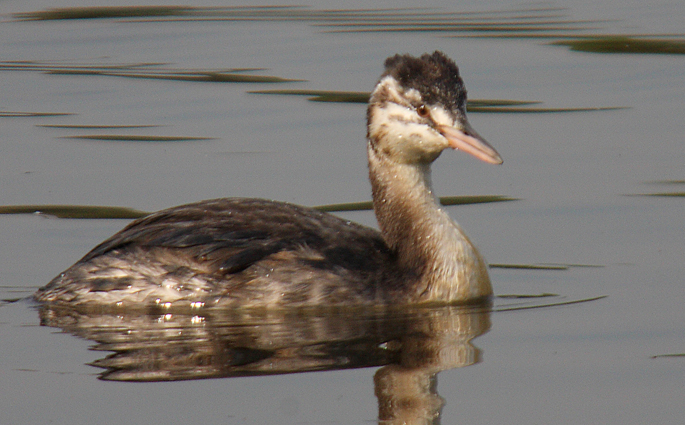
<point>253,252</point>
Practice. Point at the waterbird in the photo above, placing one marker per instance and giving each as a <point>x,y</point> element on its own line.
<point>242,252</point>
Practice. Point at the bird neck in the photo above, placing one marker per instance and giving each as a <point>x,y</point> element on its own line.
<point>427,242</point>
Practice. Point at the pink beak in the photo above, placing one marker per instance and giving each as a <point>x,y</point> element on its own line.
<point>471,142</point>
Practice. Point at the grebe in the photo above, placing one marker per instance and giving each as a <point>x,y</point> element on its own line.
<point>259,253</point>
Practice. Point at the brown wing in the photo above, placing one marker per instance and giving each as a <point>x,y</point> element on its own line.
<point>228,235</point>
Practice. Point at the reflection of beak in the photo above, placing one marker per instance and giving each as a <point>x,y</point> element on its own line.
<point>467,140</point>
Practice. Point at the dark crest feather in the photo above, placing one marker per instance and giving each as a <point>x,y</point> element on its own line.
<point>435,76</point>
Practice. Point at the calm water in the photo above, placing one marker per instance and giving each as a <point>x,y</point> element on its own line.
<point>583,363</point>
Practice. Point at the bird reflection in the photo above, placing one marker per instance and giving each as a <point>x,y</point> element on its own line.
<point>411,345</point>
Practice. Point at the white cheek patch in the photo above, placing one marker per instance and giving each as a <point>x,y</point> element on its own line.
<point>441,117</point>
<point>397,112</point>
<point>384,118</point>
<point>396,120</point>
<point>399,123</point>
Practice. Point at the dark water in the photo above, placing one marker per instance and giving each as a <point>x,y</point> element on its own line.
<point>606,361</point>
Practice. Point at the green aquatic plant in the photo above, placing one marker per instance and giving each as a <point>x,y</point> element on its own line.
<point>529,266</point>
<point>445,200</point>
<point>135,138</point>
<point>662,194</point>
<point>200,76</point>
<point>95,127</point>
<point>543,266</point>
<point>527,110</point>
<point>617,44</point>
<point>475,105</point>
<point>74,211</point>
<point>477,28</point>
<point>322,95</point>
<point>555,304</point>
<point>101,12</point>
<point>156,71</point>
<point>526,296</point>
<point>669,183</point>
<point>661,356</point>
<point>666,182</point>
<point>416,16</point>
<point>17,114</point>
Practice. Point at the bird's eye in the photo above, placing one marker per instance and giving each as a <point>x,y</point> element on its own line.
<point>423,111</point>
